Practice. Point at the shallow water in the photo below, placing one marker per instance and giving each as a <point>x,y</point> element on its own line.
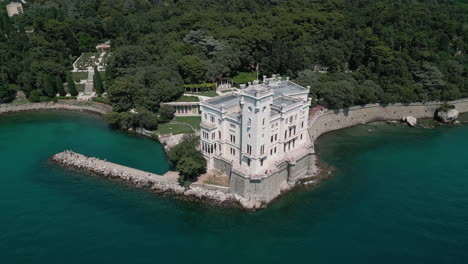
<point>399,195</point>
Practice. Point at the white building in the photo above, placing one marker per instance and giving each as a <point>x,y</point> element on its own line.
<point>14,8</point>
<point>256,129</point>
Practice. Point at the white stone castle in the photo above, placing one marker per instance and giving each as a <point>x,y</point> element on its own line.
<point>257,135</point>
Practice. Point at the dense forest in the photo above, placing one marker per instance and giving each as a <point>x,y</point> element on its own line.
<point>375,51</point>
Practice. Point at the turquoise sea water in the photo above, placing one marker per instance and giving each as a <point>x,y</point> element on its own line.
<point>399,195</point>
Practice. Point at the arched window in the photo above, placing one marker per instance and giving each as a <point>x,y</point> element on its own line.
<point>249,122</point>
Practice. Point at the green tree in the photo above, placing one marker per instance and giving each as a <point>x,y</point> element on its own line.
<point>188,161</point>
<point>59,85</point>
<point>166,113</point>
<point>190,167</point>
<point>49,88</point>
<point>122,94</point>
<point>147,119</point>
<point>192,69</point>
<point>97,82</point>
<point>113,119</point>
<point>128,120</point>
<point>6,93</point>
<point>71,85</point>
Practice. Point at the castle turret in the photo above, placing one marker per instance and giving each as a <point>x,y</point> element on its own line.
<point>257,100</point>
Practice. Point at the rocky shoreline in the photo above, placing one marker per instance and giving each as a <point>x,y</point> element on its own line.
<point>161,184</point>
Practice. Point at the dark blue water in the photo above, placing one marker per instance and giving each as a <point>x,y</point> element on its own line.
<point>399,195</point>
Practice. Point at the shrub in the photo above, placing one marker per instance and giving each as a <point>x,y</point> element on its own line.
<point>44,99</point>
<point>445,107</point>
<point>35,96</point>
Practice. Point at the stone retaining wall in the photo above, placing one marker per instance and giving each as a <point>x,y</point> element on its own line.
<point>331,120</point>
<point>61,105</point>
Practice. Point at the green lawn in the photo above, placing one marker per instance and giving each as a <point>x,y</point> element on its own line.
<point>172,128</point>
<point>103,100</point>
<point>80,87</point>
<point>77,76</point>
<point>194,121</point>
<point>208,93</point>
<point>245,77</point>
<point>185,98</point>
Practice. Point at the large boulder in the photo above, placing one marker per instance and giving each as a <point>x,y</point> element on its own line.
<point>412,121</point>
<point>448,116</point>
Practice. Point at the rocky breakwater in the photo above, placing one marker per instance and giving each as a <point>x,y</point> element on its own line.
<point>163,184</point>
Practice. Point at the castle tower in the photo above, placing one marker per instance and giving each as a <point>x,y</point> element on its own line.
<point>255,103</point>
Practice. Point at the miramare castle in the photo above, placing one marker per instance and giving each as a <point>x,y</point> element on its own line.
<point>259,137</point>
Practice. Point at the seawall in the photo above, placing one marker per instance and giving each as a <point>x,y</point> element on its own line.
<point>166,184</point>
<point>71,105</point>
<point>330,120</point>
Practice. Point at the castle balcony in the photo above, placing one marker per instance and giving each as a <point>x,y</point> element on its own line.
<point>208,126</point>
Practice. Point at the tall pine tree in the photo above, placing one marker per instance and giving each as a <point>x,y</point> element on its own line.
<point>97,82</point>
<point>71,85</point>
<point>59,86</point>
<point>49,87</point>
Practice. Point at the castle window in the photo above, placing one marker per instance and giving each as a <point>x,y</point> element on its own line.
<point>263,121</point>
<point>302,124</point>
<point>271,139</point>
<point>233,139</point>
<point>249,149</point>
<point>262,149</point>
<point>264,109</point>
<point>233,151</point>
<point>248,162</point>
<point>212,119</point>
<point>285,134</point>
<point>219,134</point>
<point>276,137</point>
<point>232,125</point>
<point>301,136</point>
<point>213,136</point>
<point>249,122</point>
<point>249,109</point>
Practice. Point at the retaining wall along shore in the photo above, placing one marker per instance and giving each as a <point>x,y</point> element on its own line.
<point>331,120</point>
<point>60,105</point>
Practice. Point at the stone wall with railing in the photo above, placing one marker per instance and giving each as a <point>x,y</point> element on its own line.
<point>330,120</point>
